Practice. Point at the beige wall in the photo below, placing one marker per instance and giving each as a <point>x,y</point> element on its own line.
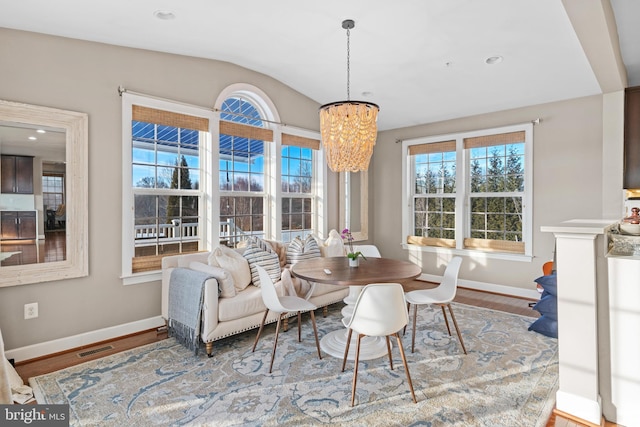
<point>82,76</point>
<point>567,183</point>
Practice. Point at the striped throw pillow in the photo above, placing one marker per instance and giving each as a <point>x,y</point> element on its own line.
<point>299,250</point>
<point>268,260</point>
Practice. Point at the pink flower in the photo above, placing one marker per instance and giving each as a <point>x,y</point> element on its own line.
<point>346,235</point>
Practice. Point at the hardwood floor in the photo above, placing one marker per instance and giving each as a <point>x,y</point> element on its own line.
<point>76,356</point>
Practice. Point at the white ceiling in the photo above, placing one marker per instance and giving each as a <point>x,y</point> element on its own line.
<point>420,60</point>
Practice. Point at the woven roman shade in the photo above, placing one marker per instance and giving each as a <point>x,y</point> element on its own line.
<point>434,147</point>
<point>494,245</point>
<point>497,139</point>
<point>431,241</point>
<point>168,118</point>
<point>245,131</point>
<point>300,141</point>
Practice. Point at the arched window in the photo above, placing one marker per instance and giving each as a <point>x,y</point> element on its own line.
<point>268,178</point>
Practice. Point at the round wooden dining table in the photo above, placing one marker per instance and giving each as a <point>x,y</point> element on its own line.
<point>370,270</point>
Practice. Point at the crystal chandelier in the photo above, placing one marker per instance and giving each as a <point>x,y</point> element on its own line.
<point>348,128</point>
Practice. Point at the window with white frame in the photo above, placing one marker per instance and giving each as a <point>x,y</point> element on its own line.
<point>52,190</point>
<point>163,212</point>
<point>470,191</point>
<point>297,185</point>
<point>249,166</point>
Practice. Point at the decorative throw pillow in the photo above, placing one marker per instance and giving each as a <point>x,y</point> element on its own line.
<point>279,248</point>
<point>268,260</point>
<point>234,263</point>
<point>547,305</point>
<point>549,283</point>
<point>334,246</point>
<point>546,326</point>
<point>299,250</point>
<point>225,280</point>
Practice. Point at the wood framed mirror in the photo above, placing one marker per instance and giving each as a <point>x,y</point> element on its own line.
<point>66,158</point>
<point>354,199</point>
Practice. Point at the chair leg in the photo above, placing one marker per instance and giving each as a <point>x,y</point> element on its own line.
<point>446,320</point>
<point>325,311</point>
<point>285,324</point>
<point>299,327</point>
<point>355,370</point>
<point>346,349</point>
<point>275,342</point>
<point>413,336</point>
<point>260,330</point>
<point>455,323</point>
<point>389,351</point>
<point>406,367</point>
<point>404,330</point>
<point>315,333</point>
<point>209,347</point>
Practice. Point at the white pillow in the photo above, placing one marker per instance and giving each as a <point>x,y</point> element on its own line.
<point>225,280</point>
<point>334,246</point>
<point>234,263</point>
<point>268,260</point>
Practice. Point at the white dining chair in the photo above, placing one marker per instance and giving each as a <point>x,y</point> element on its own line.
<point>282,305</point>
<point>380,311</point>
<point>442,295</point>
<point>368,250</point>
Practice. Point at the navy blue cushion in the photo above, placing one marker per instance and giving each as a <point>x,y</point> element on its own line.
<point>548,305</point>
<point>545,325</point>
<point>549,283</point>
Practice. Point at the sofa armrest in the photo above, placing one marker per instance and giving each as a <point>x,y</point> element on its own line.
<point>185,259</point>
<point>171,262</point>
<point>209,305</point>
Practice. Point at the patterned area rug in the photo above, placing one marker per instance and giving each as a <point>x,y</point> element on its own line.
<point>509,378</point>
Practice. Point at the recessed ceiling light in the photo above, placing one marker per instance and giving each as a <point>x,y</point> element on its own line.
<point>165,15</point>
<point>41,131</point>
<point>493,60</point>
<point>32,138</point>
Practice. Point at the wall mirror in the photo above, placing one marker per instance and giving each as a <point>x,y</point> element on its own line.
<point>354,199</point>
<point>43,202</point>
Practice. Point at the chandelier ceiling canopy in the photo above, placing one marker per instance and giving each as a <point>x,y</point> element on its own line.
<point>348,128</point>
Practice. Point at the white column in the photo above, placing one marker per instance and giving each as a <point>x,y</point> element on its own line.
<point>576,253</point>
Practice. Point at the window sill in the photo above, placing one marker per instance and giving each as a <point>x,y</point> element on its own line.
<point>146,277</point>
<point>470,253</point>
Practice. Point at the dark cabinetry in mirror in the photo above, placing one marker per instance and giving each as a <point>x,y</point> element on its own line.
<point>18,224</point>
<point>17,174</point>
<point>632,138</point>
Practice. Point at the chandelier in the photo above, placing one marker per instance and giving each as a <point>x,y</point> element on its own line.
<point>348,128</point>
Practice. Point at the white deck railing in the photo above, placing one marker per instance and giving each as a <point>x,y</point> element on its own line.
<point>151,234</point>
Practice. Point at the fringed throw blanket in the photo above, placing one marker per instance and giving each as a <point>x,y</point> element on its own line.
<point>186,294</point>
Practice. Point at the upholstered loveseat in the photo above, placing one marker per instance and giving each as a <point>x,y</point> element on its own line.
<point>232,296</point>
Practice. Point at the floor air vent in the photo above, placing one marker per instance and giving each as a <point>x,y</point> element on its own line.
<point>97,350</point>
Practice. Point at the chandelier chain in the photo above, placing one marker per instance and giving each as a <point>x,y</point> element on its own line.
<point>348,65</point>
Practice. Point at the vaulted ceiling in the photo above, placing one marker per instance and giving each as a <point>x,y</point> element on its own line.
<point>420,60</point>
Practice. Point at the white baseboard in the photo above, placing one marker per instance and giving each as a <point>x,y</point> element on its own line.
<point>488,287</point>
<point>87,338</point>
<point>580,407</point>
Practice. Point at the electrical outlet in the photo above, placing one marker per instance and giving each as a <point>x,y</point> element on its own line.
<point>31,310</point>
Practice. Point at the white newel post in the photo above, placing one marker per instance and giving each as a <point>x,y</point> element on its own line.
<point>578,260</point>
